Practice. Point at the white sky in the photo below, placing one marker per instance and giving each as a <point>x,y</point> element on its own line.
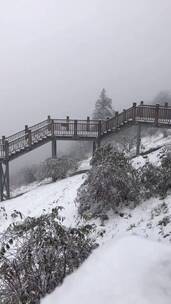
<point>56,56</point>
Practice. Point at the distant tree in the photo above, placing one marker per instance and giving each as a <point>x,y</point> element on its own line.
<point>162,97</point>
<point>103,107</point>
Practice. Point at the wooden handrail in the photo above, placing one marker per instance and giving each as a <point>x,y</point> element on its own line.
<point>84,129</point>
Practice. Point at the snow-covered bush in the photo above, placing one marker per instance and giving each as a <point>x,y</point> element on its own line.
<point>46,253</point>
<point>56,168</point>
<point>156,180</point>
<point>150,176</point>
<point>112,182</point>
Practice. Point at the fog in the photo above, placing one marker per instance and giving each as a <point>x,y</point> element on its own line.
<point>56,56</point>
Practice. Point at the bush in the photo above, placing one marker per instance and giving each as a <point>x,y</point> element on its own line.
<point>150,176</point>
<point>48,252</point>
<point>156,181</point>
<point>55,168</point>
<point>24,176</point>
<point>111,182</point>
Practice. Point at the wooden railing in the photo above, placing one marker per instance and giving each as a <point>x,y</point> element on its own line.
<point>30,137</point>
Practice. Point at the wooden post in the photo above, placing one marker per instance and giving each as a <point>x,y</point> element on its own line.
<point>117,121</point>
<point>26,130</point>
<point>75,127</point>
<point>52,127</point>
<point>107,124</point>
<point>6,149</point>
<point>54,148</point>
<point>29,138</point>
<point>99,128</point>
<point>4,180</point>
<point>7,180</point>
<point>3,145</point>
<point>157,114</point>
<point>124,115</point>
<point>3,140</point>
<point>166,112</point>
<point>138,139</point>
<point>140,110</point>
<point>28,135</point>
<point>1,183</point>
<point>134,111</point>
<point>88,124</point>
<point>67,122</point>
<point>49,123</point>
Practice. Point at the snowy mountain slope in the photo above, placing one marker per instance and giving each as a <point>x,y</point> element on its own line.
<point>151,220</point>
<point>42,197</point>
<point>126,271</point>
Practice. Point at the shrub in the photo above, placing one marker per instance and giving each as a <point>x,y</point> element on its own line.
<point>150,176</point>
<point>55,168</point>
<point>156,180</point>
<point>48,252</point>
<point>111,182</point>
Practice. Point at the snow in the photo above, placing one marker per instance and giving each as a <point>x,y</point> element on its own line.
<point>85,165</point>
<point>153,142</point>
<point>157,140</point>
<point>43,199</point>
<point>126,271</point>
<point>146,220</point>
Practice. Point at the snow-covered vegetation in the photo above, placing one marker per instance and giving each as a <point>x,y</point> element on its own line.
<point>119,270</point>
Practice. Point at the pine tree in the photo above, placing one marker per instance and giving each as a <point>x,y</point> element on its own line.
<point>103,107</point>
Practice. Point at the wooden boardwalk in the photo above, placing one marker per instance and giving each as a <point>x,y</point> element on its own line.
<point>52,130</point>
<point>49,130</point>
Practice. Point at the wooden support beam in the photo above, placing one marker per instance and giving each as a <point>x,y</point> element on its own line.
<point>94,147</point>
<point>138,147</point>
<point>54,148</point>
<point>116,120</point>
<point>75,127</point>
<point>7,180</point>
<point>157,114</point>
<point>4,180</point>
<point>1,182</point>
<point>88,124</point>
<point>134,106</point>
<point>99,128</point>
<point>67,123</point>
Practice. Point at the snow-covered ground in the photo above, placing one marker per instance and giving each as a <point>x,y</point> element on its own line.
<point>127,271</point>
<point>42,199</point>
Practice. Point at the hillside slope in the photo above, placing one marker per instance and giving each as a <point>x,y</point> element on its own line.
<point>150,220</point>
